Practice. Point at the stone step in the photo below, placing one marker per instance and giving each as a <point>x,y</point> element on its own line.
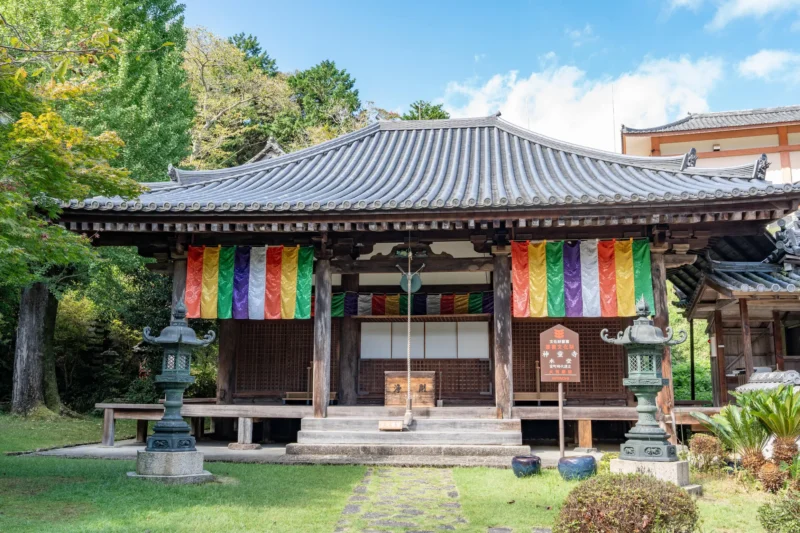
<point>410,437</point>
<point>379,411</point>
<point>431,461</point>
<point>423,450</point>
<point>458,425</point>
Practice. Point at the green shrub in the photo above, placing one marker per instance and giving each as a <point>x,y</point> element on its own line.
<point>781,515</point>
<point>634,503</point>
<point>604,464</point>
<point>705,451</point>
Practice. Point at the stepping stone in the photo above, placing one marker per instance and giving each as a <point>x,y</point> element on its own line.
<point>351,509</point>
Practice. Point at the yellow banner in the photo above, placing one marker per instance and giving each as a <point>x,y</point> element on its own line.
<point>289,281</point>
<point>537,272</point>
<point>623,264</point>
<point>208,296</point>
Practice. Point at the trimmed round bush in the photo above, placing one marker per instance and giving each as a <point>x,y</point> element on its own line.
<point>633,503</point>
<point>781,515</point>
<point>705,451</point>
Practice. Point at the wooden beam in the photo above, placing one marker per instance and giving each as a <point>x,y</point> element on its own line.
<point>585,434</point>
<point>108,427</point>
<point>432,264</point>
<point>691,358</point>
<point>503,375</point>
<point>750,151</point>
<point>178,283</point>
<point>747,341</point>
<point>719,338</point>
<point>322,338</point>
<point>777,339</point>
<point>348,349</point>
<point>666,398</point>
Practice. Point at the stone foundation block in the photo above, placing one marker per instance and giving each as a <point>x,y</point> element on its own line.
<point>676,472</point>
<point>171,467</point>
<point>243,446</point>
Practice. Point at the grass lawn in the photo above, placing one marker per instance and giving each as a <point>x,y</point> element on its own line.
<point>19,434</point>
<point>66,495</point>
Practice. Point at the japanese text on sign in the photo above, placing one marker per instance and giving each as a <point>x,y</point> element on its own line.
<point>559,355</point>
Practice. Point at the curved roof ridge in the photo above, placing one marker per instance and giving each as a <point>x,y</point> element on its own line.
<point>678,122</point>
<point>725,119</point>
<point>221,173</point>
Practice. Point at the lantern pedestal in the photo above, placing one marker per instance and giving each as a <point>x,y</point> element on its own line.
<point>676,472</point>
<point>177,468</point>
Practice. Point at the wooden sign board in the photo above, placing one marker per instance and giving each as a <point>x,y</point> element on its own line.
<point>422,389</point>
<point>559,352</point>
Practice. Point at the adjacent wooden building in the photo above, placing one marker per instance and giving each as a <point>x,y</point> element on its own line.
<point>459,193</point>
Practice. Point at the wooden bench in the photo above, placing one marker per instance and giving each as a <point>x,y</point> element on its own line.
<point>305,397</point>
<point>143,413</point>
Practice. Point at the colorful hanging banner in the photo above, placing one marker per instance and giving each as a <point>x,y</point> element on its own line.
<point>368,304</point>
<point>246,282</point>
<point>580,278</point>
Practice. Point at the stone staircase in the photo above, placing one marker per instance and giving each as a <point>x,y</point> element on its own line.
<point>444,441</point>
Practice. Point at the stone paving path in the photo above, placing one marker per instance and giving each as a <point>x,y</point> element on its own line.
<point>407,500</point>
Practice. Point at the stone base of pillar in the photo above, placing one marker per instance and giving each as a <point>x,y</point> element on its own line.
<point>676,472</point>
<point>176,468</point>
<point>244,446</point>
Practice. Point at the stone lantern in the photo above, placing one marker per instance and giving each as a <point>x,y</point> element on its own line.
<point>171,455</point>
<point>644,343</point>
<point>647,449</point>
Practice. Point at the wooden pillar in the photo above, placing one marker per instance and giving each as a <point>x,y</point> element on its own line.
<point>322,338</point>
<point>503,376</point>
<point>719,338</point>
<point>777,339</point>
<point>348,350</point>
<point>245,435</point>
<point>666,398</point>
<point>691,358</point>
<point>226,363</point>
<point>178,281</point>
<point>108,427</point>
<point>141,431</point>
<point>747,341</point>
<point>585,434</point>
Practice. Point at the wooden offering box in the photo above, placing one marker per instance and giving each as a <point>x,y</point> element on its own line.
<point>422,389</point>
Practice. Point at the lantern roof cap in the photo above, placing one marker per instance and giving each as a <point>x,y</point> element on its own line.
<point>179,332</point>
<point>643,331</point>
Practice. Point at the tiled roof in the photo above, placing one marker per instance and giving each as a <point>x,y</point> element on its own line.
<point>480,163</point>
<point>725,119</point>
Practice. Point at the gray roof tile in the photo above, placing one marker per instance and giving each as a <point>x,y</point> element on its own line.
<point>442,164</point>
<point>725,119</point>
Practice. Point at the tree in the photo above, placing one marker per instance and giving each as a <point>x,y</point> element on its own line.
<point>43,162</point>
<point>254,54</point>
<point>326,95</point>
<point>232,99</point>
<point>143,95</point>
<point>422,110</point>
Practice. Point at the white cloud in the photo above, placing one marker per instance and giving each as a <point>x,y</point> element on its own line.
<point>772,65</point>
<point>580,36</point>
<point>729,10</point>
<point>560,101</point>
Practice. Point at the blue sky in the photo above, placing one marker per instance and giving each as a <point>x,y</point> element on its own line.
<point>555,67</point>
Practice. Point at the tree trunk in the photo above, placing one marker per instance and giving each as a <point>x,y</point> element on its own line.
<point>34,382</point>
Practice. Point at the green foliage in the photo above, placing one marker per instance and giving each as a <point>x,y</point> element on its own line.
<point>253,53</point>
<point>422,110</point>
<point>204,371</point>
<point>778,409</point>
<point>635,503</point>
<point>681,365</point>
<point>326,94</point>
<point>604,464</point>
<point>737,428</point>
<point>143,96</point>
<point>781,515</point>
<point>705,452</point>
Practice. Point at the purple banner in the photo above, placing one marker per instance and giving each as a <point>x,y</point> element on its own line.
<point>488,302</point>
<point>573,298</point>
<point>241,281</point>
<point>351,304</point>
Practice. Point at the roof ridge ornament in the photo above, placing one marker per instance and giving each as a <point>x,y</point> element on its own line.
<point>760,167</point>
<point>172,172</point>
<point>689,159</point>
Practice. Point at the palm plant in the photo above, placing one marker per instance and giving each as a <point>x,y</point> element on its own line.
<point>740,432</point>
<point>779,410</point>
